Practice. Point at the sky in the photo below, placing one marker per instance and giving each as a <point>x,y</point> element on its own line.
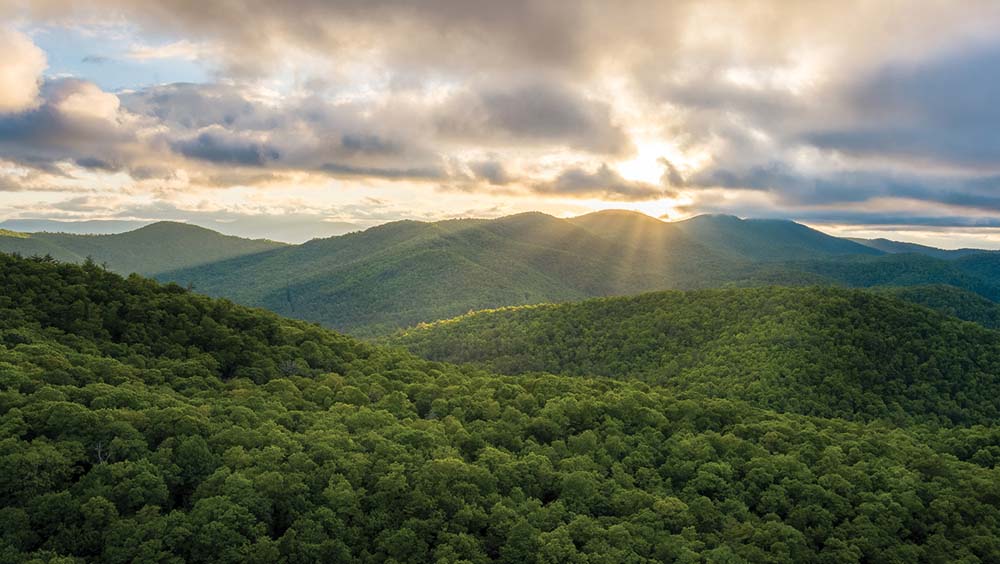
<point>861,118</point>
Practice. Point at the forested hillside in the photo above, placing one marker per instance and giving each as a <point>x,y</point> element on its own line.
<point>971,273</point>
<point>148,250</point>
<point>817,351</point>
<point>952,301</point>
<point>402,273</point>
<point>145,423</point>
<point>767,239</point>
<point>399,274</point>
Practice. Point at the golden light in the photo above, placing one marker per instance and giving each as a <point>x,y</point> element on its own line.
<point>646,166</point>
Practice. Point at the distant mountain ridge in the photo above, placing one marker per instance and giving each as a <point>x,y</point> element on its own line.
<point>404,272</point>
<point>768,239</point>
<point>283,228</point>
<point>888,246</point>
<point>149,250</point>
<point>397,274</point>
<point>376,281</point>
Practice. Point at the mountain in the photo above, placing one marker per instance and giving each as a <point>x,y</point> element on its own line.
<point>287,228</point>
<point>90,227</point>
<point>151,249</point>
<point>973,273</point>
<point>406,272</point>
<point>829,352</point>
<point>146,423</point>
<point>888,246</point>
<point>767,239</point>
<point>398,274</point>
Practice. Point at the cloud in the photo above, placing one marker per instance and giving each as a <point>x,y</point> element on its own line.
<point>215,145</point>
<point>72,120</point>
<point>534,111</point>
<point>802,104</point>
<point>339,169</point>
<point>184,50</point>
<point>600,183</point>
<point>943,110</point>
<point>671,176</point>
<point>21,68</point>
<point>491,171</point>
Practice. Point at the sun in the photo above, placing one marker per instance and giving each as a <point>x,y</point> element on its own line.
<point>647,165</point>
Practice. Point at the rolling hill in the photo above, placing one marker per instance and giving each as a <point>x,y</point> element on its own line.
<point>896,270</point>
<point>952,301</point>
<point>816,351</point>
<point>144,422</point>
<point>152,249</point>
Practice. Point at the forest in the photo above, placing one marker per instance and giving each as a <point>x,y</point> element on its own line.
<point>823,351</point>
<point>146,423</point>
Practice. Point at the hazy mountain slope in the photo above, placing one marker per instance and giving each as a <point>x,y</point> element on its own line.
<point>88,227</point>
<point>904,270</point>
<point>767,239</point>
<point>28,244</point>
<point>405,272</point>
<point>151,249</point>
<point>818,351</point>
<point>889,246</point>
<point>146,423</point>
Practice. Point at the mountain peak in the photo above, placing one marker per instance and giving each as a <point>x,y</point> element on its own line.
<point>617,213</point>
<point>768,239</point>
<point>172,226</point>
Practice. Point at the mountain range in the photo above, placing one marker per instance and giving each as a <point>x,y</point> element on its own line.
<point>376,281</point>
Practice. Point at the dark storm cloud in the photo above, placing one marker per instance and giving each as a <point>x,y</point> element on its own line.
<point>601,183</point>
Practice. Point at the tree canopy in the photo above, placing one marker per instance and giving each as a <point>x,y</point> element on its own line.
<point>145,423</point>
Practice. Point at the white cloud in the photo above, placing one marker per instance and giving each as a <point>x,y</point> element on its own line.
<point>87,101</point>
<point>21,67</point>
<point>184,50</point>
